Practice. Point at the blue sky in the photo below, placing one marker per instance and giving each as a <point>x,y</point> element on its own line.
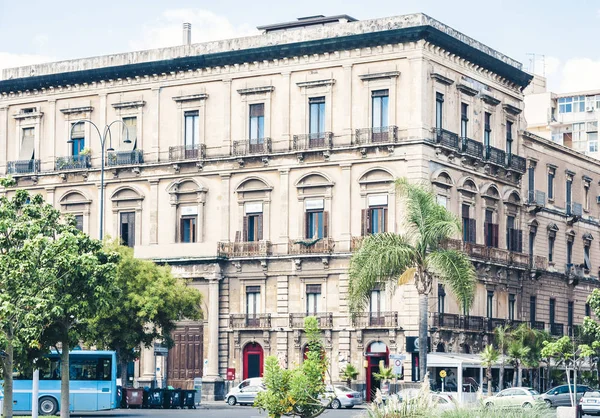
<point>565,32</point>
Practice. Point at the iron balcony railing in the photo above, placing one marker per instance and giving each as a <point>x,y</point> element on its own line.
<point>493,323</point>
<point>72,162</point>
<point>23,167</point>
<point>557,329</point>
<point>516,163</point>
<point>495,155</point>
<point>574,209</point>
<point>317,140</point>
<point>252,147</point>
<point>243,249</point>
<point>469,322</point>
<point>539,325</point>
<point>325,319</point>
<point>311,246</point>
<point>493,254</point>
<point>187,152</point>
<point>125,158</point>
<point>471,147</point>
<point>446,320</point>
<point>537,197</point>
<point>376,320</point>
<point>446,138</point>
<point>376,135</point>
<point>258,321</point>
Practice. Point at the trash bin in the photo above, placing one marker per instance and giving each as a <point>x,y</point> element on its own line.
<point>132,398</point>
<point>170,398</point>
<point>188,399</point>
<point>176,398</point>
<point>155,398</point>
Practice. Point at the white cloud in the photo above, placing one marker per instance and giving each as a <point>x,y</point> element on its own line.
<point>580,74</point>
<point>9,60</point>
<point>206,26</point>
<point>40,40</point>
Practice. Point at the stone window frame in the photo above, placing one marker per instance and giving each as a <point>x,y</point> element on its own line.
<point>256,95</point>
<point>77,207</point>
<point>304,192</point>
<point>266,203</point>
<point>380,81</point>
<point>314,89</point>
<point>129,109</point>
<point>309,280</point>
<point>253,281</point>
<point>178,199</point>
<point>28,120</point>
<point>72,115</point>
<point>586,183</point>
<point>190,103</point>
<point>552,230</point>
<point>127,204</point>
<point>383,186</point>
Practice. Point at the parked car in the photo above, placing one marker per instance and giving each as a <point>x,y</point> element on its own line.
<point>514,398</point>
<point>589,404</point>
<point>445,402</point>
<point>245,392</point>
<point>343,397</point>
<point>560,396</point>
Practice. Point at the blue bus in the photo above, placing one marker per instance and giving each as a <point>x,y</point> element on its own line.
<point>93,384</point>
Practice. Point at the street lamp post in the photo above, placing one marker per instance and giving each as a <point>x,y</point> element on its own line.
<point>102,137</point>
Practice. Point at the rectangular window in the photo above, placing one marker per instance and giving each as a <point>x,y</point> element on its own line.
<point>490,304</point>
<point>588,310</point>
<point>79,222</point>
<point>379,102</point>
<point>469,225</point>
<point>376,305</point>
<point>442,200</point>
<point>316,219</point>
<point>127,228</point>
<point>552,310</point>
<point>532,308</point>
<point>441,299</point>
<point>191,133</point>
<point>253,226</point>
<point>188,228</point>
<point>565,105</point>
<point>551,174</point>
<point>77,138</point>
<point>587,264</point>
<point>27,144</point>
<point>509,137</point>
<point>129,133</point>
<point>316,123</point>
<point>511,306</point>
<point>253,305</point>
<point>592,138</point>
<point>570,317</point>
<point>378,219</point>
<point>464,119</point>
<point>551,249</point>
<point>531,244</point>
<point>569,252</point>
<point>578,137</point>
<point>439,110</point>
<point>579,104</point>
<point>313,299</point>
<point>586,196</point>
<point>487,133</point>
<point>569,188</point>
<point>257,123</point>
<point>490,229</point>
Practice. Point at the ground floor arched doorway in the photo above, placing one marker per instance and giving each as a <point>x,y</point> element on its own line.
<point>253,360</point>
<point>376,353</point>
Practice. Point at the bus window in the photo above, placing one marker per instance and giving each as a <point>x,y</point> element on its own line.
<point>51,371</point>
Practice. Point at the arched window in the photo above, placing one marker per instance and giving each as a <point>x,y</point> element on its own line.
<point>254,200</point>
<point>187,200</point>
<point>378,197</point>
<point>76,204</point>
<point>127,215</point>
<point>314,199</point>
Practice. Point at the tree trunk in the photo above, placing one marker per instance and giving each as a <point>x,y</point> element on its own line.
<point>7,369</point>
<point>501,377</point>
<point>489,380</point>
<point>64,377</point>
<point>423,313</point>
<point>520,375</point>
<point>124,381</point>
<point>515,374</point>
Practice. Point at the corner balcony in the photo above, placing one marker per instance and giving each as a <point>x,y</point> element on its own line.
<point>250,321</point>
<point>368,320</point>
<point>243,249</point>
<point>446,139</point>
<point>23,167</point>
<point>187,152</point>
<point>73,162</point>
<point>313,141</point>
<point>260,146</point>
<point>325,320</point>
<point>116,158</point>
<point>495,156</point>
<point>471,148</point>
<point>516,163</point>
<point>311,246</point>
<point>376,135</point>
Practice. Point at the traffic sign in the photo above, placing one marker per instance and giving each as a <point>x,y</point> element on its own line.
<point>396,361</point>
<point>443,374</point>
<point>160,350</point>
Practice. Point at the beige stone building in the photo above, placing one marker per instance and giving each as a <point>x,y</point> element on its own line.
<point>254,166</point>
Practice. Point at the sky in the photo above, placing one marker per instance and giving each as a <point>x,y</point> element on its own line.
<point>562,34</point>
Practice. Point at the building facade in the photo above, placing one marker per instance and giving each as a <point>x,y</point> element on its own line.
<point>255,166</point>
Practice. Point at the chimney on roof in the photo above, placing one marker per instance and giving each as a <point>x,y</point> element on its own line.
<point>187,33</point>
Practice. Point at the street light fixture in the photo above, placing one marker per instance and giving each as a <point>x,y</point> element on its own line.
<point>102,146</point>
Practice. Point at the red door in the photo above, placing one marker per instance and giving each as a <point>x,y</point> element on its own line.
<point>373,359</point>
<point>253,361</point>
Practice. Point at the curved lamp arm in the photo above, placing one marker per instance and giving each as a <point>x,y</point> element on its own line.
<point>107,131</point>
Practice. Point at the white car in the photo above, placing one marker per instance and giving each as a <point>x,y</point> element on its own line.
<point>245,392</point>
<point>344,397</point>
<point>515,398</point>
<point>590,403</point>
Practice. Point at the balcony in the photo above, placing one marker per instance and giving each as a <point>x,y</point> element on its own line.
<point>474,323</point>
<point>116,158</point>
<point>471,148</point>
<point>252,147</point>
<point>537,198</point>
<point>23,167</point>
<point>574,209</point>
<point>495,155</point>
<point>376,135</point>
<point>519,259</point>
<point>539,263</point>
<point>187,152</point>
<point>557,330</point>
<point>73,162</point>
<point>243,249</point>
<point>499,255</point>
<point>446,138</point>
<point>376,320</point>
<point>318,140</point>
<point>493,254</point>
<point>325,320</point>
<point>446,321</point>
<point>311,246</point>
<point>539,325</point>
<point>250,321</point>
<point>493,323</point>
<point>516,163</point>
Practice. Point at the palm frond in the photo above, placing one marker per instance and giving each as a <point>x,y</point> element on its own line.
<point>380,260</point>
<point>456,271</point>
<point>441,224</point>
<point>489,356</point>
<point>407,276</point>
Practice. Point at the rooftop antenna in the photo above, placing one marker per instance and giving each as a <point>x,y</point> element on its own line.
<point>533,59</point>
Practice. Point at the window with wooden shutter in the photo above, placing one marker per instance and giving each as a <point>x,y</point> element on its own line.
<point>313,299</point>
<point>472,231</point>
<point>259,227</point>
<point>127,228</point>
<point>187,228</point>
<point>325,224</point>
<point>245,229</point>
<point>364,224</point>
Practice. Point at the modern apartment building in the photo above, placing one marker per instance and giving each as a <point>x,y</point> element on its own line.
<point>569,119</point>
<point>254,167</point>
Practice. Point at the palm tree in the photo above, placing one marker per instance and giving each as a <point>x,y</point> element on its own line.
<point>348,374</point>
<point>417,255</point>
<point>518,353</point>
<point>489,357</point>
<point>502,335</point>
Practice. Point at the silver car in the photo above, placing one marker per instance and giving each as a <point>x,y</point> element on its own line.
<point>245,392</point>
<point>560,395</point>
<point>343,397</point>
<point>590,403</point>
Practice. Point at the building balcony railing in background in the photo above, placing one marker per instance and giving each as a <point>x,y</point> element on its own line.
<point>252,147</point>
<point>516,163</point>
<point>355,243</point>
<point>495,155</point>
<point>574,209</point>
<point>256,321</point>
<point>492,254</point>
<point>243,249</point>
<point>23,167</point>
<point>446,138</point>
<point>446,321</point>
<point>539,262</point>
<point>73,162</point>
<point>493,323</point>
<point>557,329</point>
<point>519,259</point>
<point>376,135</point>
<point>537,198</point>
<point>539,325</point>
<point>376,320</point>
<point>325,319</point>
<point>317,140</point>
<point>116,158</point>
<point>311,246</point>
<point>471,147</point>
<point>469,322</point>
<point>187,152</point>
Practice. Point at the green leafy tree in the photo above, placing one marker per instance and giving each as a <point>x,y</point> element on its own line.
<point>489,357</point>
<point>146,309</point>
<point>517,353</point>
<point>296,392</point>
<point>417,255</point>
<point>348,374</point>
<point>502,337</point>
